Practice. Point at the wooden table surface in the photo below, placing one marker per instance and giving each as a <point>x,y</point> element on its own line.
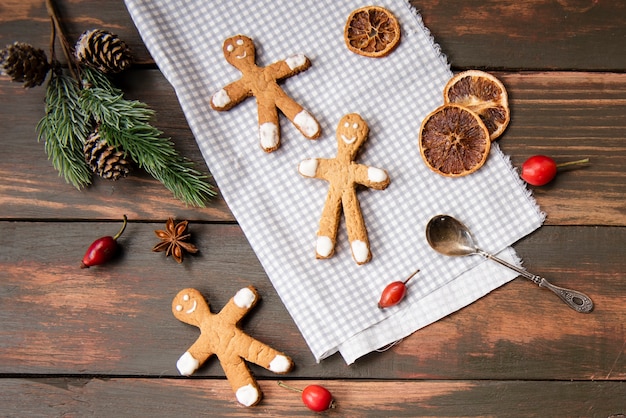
<point>103,342</point>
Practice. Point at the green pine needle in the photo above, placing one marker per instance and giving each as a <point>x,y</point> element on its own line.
<point>125,124</point>
<point>64,129</point>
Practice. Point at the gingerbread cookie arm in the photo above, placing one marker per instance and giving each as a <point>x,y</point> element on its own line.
<point>239,305</point>
<point>372,177</point>
<point>288,67</point>
<point>318,168</point>
<point>229,96</point>
<point>194,357</point>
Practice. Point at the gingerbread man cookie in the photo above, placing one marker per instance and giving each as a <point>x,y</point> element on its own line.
<point>344,175</point>
<point>220,335</point>
<point>262,82</point>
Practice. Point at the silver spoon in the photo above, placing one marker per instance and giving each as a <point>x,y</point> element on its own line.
<point>449,236</point>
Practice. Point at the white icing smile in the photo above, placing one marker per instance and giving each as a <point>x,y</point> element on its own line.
<point>193,308</point>
<point>348,140</point>
<point>245,54</point>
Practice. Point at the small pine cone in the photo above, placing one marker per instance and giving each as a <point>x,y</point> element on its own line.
<point>24,63</point>
<point>103,50</point>
<point>104,160</point>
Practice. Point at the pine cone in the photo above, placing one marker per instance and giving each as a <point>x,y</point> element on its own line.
<point>104,160</point>
<point>24,63</point>
<point>103,50</point>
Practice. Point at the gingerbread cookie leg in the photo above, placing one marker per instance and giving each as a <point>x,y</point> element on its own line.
<point>355,225</point>
<point>329,224</point>
<point>263,355</point>
<point>246,389</point>
<point>302,119</point>
<point>269,129</point>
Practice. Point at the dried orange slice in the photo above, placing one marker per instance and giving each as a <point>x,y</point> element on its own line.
<point>484,94</point>
<point>454,141</point>
<point>372,31</point>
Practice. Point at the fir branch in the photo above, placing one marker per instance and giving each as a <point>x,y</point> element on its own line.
<point>64,129</point>
<point>124,124</point>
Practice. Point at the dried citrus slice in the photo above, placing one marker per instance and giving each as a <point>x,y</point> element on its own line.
<point>372,31</point>
<point>484,94</point>
<point>454,141</point>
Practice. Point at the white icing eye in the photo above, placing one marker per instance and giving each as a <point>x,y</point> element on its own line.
<point>356,125</point>
<point>179,308</point>
<point>186,298</point>
<point>239,41</point>
<point>346,125</point>
<point>230,48</point>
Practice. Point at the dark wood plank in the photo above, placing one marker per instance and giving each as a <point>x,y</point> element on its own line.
<point>565,115</point>
<point>116,319</point>
<point>561,34</point>
<point>570,116</point>
<point>199,397</point>
<point>544,34</point>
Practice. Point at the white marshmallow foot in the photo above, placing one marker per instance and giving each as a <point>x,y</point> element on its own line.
<point>360,251</point>
<point>307,124</point>
<point>247,395</point>
<point>186,364</point>
<point>268,136</point>
<point>324,246</point>
<point>280,364</point>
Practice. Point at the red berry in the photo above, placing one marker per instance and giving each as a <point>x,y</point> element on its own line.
<point>102,250</point>
<point>394,293</point>
<point>539,170</point>
<point>317,398</point>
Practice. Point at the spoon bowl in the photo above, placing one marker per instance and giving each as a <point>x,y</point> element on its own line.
<point>449,236</point>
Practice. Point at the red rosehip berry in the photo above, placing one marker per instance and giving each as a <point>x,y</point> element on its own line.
<point>539,170</point>
<point>394,292</point>
<point>102,250</point>
<point>317,398</point>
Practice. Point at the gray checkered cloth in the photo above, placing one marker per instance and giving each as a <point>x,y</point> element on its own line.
<point>334,301</point>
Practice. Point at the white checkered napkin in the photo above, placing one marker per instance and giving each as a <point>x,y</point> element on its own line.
<point>333,302</point>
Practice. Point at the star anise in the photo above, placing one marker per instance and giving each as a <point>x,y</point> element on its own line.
<point>173,240</point>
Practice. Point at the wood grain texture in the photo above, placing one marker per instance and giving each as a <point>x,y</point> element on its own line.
<point>567,115</point>
<point>103,341</point>
<point>538,34</point>
<point>116,319</point>
<point>202,397</point>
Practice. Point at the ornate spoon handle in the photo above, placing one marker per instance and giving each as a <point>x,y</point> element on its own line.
<point>578,301</point>
<point>575,300</point>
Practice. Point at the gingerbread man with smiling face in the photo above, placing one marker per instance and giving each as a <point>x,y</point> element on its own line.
<point>220,335</point>
<point>262,82</point>
<point>343,175</point>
